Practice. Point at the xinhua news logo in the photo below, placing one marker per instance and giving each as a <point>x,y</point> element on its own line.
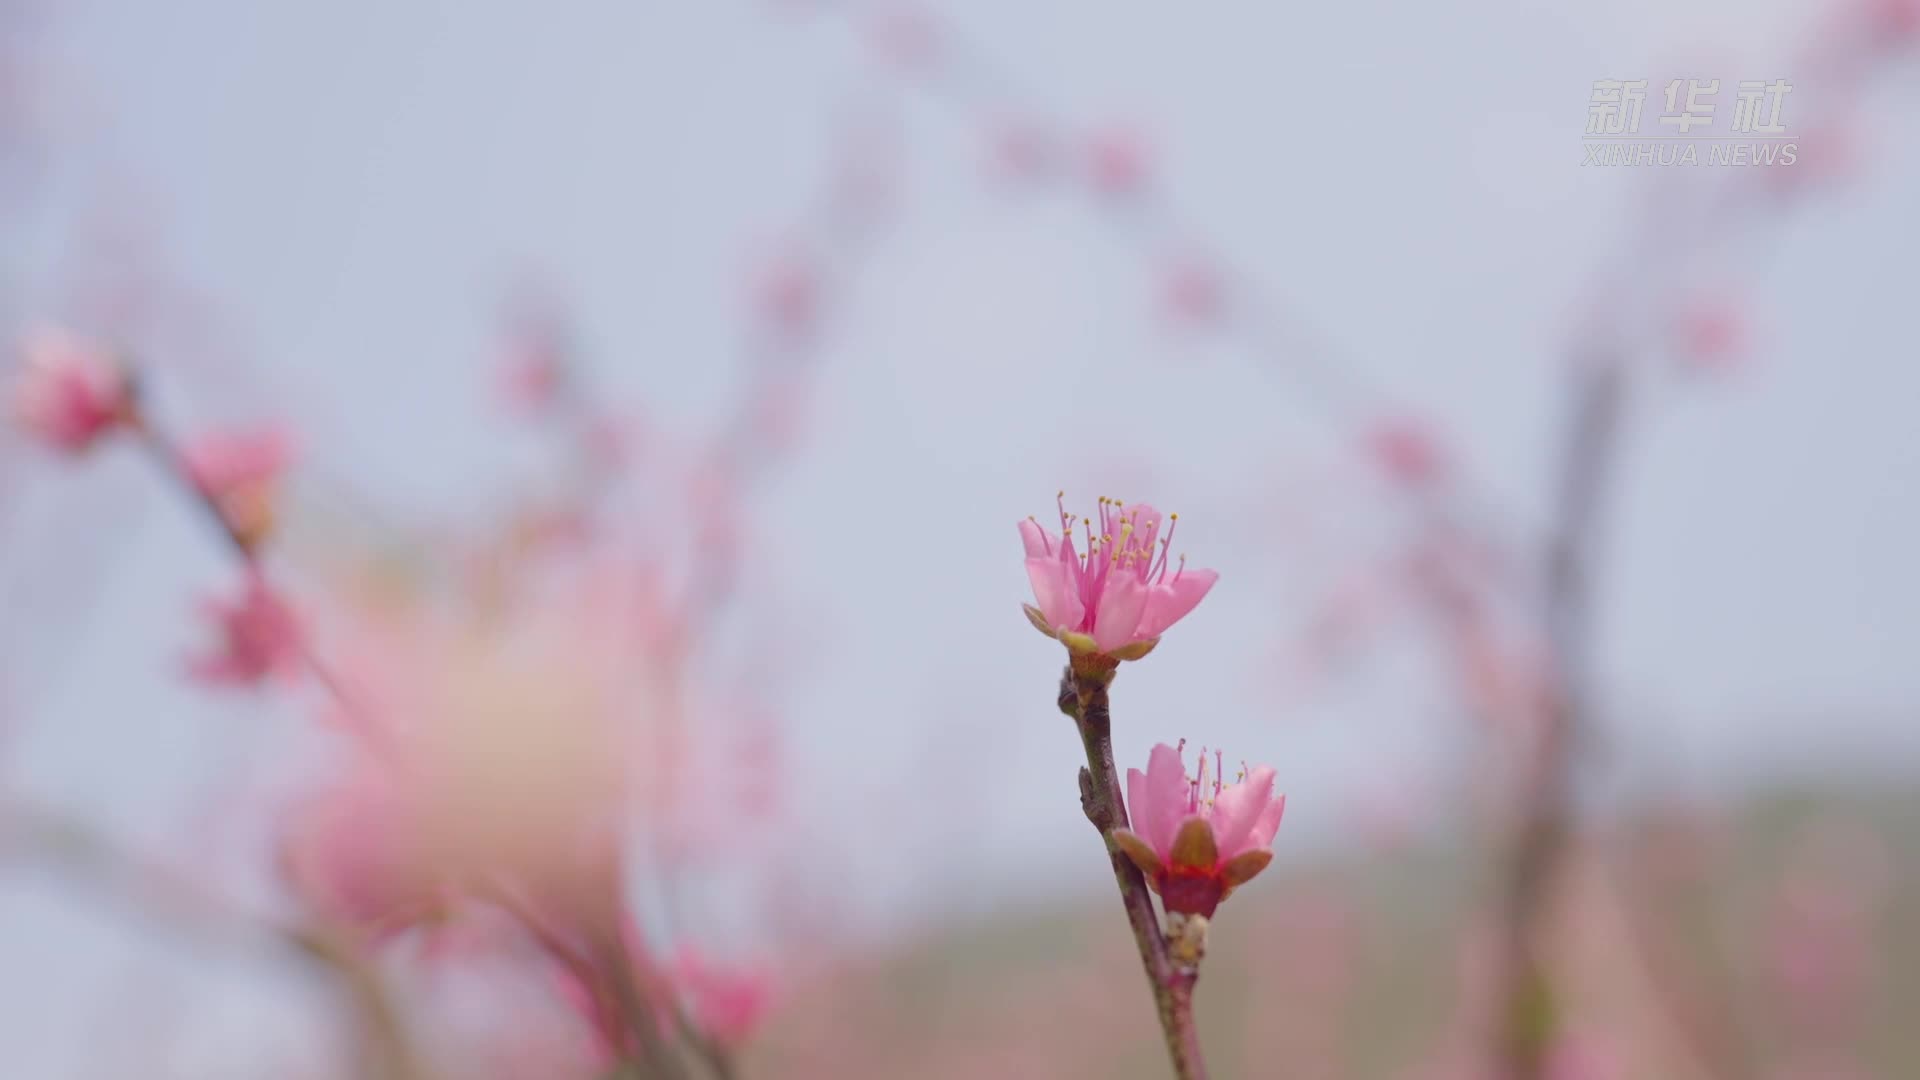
<point>1749,133</point>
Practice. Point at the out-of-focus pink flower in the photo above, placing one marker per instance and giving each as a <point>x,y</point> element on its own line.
<point>905,35</point>
<point>1194,292</point>
<point>1021,151</point>
<point>727,1004</point>
<point>1118,598</point>
<point>1199,838</point>
<point>613,442</point>
<point>1407,451</point>
<point>70,393</point>
<point>787,295</point>
<point>517,740</point>
<point>536,350</point>
<point>350,852</point>
<point>1117,162</point>
<point>239,471</point>
<point>257,637</point>
<point>1891,22</point>
<point>1712,332</point>
<point>531,376</point>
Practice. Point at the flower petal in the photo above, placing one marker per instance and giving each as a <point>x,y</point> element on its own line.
<point>1171,600</point>
<point>1238,808</point>
<point>1161,801</point>
<point>1268,824</point>
<point>1118,613</point>
<point>1059,600</point>
<point>1035,539</point>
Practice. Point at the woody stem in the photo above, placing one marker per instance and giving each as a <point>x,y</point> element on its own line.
<point>1084,697</point>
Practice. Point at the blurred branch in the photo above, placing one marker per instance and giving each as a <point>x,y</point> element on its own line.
<point>173,464</point>
<point>1527,1012</point>
<point>1525,1017</point>
<point>83,855</point>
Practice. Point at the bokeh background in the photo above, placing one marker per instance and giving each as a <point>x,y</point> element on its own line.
<point>842,291</point>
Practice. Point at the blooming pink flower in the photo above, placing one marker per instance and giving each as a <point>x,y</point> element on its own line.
<point>257,637</point>
<point>726,1004</point>
<point>69,394</point>
<point>1197,845</point>
<point>1117,599</point>
<point>239,471</point>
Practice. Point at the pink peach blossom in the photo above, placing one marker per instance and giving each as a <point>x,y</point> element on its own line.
<point>257,637</point>
<point>239,471</point>
<point>1118,598</point>
<point>69,393</point>
<point>1198,839</point>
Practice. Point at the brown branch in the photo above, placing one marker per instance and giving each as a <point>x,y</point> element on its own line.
<point>1083,696</point>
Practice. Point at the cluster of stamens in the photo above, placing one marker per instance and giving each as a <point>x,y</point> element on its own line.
<point>1119,539</point>
<point>1197,794</point>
